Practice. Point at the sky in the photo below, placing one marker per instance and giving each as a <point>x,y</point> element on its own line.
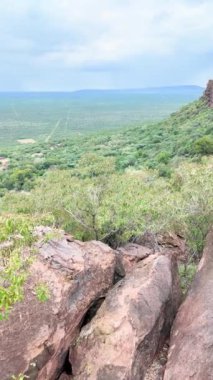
<point>66,45</point>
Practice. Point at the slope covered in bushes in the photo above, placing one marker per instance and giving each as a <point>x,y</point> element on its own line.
<point>114,207</point>
<point>187,134</point>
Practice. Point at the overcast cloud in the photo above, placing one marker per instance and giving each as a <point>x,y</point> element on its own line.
<point>68,45</point>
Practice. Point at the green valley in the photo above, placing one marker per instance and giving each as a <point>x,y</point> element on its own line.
<point>113,186</point>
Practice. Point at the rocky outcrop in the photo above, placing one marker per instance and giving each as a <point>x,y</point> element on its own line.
<point>133,321</point>
<point>35,338</point>
<point>128,256</point>
<point>167,243</point>
<point>190,354</point>
<point>78,334</point>
<point>208,94</point>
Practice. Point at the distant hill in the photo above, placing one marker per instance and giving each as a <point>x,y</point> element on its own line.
<point>148,90</point>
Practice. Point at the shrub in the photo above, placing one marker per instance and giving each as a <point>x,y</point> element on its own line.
<point>204,145</point>
<point>165,171</point>
<point>187,273</point>
<point>163,157</point>
<point>42,292</point>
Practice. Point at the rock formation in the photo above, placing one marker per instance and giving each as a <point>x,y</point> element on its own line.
<point>135,318</point>
<point>190,354</point>
<point>35,339</point>
<point>208,94</point>
<point>107,316</point>
<point>168,243</point>
<point>128,256</point>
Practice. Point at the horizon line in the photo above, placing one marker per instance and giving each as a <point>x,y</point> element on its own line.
<point>103,89</point>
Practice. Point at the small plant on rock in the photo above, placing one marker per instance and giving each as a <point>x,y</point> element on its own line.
<point>42,292</point>
<point>19,377</point>
<point>187,273</point>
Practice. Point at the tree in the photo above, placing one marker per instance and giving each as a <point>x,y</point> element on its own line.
<point>91,165</point>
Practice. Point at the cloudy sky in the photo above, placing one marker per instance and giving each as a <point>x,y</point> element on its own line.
<point>75,44</point>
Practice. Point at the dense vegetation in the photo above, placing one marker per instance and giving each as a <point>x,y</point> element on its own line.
<point>111,187</point>
<point>47,116</point>
<point>187,134</point>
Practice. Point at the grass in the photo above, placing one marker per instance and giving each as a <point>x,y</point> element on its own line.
<point>187,273</point>
<point>16,255</point>
<point>42,292</point>
<point>19,377</point>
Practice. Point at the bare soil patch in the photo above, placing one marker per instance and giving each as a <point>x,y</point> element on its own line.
<point>26,141</point>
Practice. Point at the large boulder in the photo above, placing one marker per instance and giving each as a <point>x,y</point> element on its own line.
<point>135,318</point>
<point>129,256</point>
<point>35,338</point>
<point>190,354</point>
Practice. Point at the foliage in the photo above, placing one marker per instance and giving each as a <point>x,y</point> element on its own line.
<point>17,229</point>
<point>52,117</point>
<point>187,273</point>
<point>42,292</point>
<point>185,134</point>
<point>115,207</point>
<point>164,171</point>
<point>12,279</point>
<point>90,165</point>
<point>204,145</point>
<point>163,157</point>
<point>16,237</point>
<point>19,377</point>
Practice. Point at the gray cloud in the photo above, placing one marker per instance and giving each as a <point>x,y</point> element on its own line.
<point>92,43</point>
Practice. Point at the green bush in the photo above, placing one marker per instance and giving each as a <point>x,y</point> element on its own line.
<point>42,292</point>
<point>187,273</point>
<point>117,206</point>
<point>164,171</point>
<point>163,157</point>
<point>204,145</point>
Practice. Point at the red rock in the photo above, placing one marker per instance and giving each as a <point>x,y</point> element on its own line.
<point>173,244</point>
<point>128,256</point>
<point>64,376</point>
<point>36,337</point>
<point>208,94</point>
<point>148,239</point>
<point>190,354</point>
<point>121,340</point>
<point>167,243</point>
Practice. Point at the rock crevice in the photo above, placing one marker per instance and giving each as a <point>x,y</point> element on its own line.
<point>122,339</point>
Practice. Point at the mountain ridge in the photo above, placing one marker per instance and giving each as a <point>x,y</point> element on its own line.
<point>143,89</point>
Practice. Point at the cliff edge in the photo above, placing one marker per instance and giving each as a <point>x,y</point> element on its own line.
<point>208,94</point>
